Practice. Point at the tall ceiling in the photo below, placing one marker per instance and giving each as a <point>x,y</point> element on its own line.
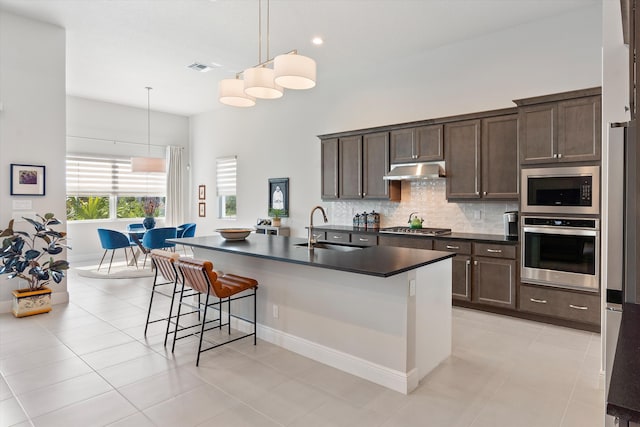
<point>117,47</point>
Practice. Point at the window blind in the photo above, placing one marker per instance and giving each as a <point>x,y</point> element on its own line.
<point>90,175</point>
<point>226,176</point>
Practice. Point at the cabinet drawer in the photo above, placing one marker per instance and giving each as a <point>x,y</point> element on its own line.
<point>336,236</point>
<point>364,239</point>
<point>405,242</point>
<point>494,250</point>
<point>560,303</point>
<point>457,246</point>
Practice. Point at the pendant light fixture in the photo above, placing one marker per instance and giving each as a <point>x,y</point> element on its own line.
<point>268,79</point>
<point>148,164</point>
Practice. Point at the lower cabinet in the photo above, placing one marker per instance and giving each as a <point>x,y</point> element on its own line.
<point>560,303</point>
<point>461,277</point>
<point>405,242</point>
<point>494,281</point>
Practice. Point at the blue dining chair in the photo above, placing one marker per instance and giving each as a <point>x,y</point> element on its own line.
<point>187,230</point>
<point>110,240</point>
<point>137,228</point>
<point>156,239</point>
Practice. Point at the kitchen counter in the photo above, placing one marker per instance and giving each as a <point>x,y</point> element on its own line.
<point>381,313</point>
<point>381,261</point>
<point>624,390</point>
<point>488,238</point>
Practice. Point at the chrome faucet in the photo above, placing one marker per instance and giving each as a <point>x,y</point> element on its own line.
<point>311,238</point>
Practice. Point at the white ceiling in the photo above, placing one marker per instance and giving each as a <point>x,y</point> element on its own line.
<point>117,47</point>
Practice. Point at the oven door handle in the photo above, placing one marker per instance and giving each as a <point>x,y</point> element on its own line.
<point>561,230</point>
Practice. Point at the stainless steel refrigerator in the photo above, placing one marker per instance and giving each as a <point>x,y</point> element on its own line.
<point>622,267</point>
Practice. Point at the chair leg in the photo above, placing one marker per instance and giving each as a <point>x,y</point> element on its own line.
<point>203,323</point>
<point>134,256</point>
<point>175,331</point>
<point>153,291</point>
<point>228,316</point>
<point>103,255</point>
<point>255,316</point>
<point>173,296</point>
<point>144,264</point>
<point>113,251</point>
<point>126,257</point>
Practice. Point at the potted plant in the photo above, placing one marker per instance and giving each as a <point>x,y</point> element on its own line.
<point>275,215</point>
<point>31,258</point>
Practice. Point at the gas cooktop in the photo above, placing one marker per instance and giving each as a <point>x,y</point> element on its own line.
<point>417,231</point>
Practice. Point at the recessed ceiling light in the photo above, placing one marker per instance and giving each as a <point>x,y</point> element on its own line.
<point>317,41</point>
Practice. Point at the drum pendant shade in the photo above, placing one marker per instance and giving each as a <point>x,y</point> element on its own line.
<point>231,92</point>
<point>294,71</point>
<point>259,83</point>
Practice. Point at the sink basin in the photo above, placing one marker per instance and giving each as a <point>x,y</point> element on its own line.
<point>331,247</point>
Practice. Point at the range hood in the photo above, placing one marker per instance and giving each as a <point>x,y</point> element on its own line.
<point>415,171</point>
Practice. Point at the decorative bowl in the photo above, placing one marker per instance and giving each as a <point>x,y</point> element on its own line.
<point>234,233</point>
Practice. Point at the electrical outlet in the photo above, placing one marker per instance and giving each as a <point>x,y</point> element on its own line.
<point>275,311</point>
<point>477,215</point>
<point>412,287</point>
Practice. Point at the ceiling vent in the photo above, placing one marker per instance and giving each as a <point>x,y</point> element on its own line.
<point>196,66</point>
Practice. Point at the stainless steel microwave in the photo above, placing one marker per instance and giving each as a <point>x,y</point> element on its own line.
<point>561,190</point>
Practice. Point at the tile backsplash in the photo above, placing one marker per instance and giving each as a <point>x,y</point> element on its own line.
<point>428,198</point>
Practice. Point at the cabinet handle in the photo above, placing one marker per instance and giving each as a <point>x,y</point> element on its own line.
<point>475,262</point>
<point>363,240</point>
<point>538,301</point>
<point>467,275</point>
<point>335,194</point>
<point>364,194</point>
<point>495,251</point>
<point>484,193</point>
<point>579,307</point>
<point>555,156</point>
<point>477,193</point>
<point>559,156</point>
<point>453,247</point>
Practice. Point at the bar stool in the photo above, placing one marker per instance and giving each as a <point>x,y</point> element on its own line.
<point>165,275</point>
<point>200,276</point>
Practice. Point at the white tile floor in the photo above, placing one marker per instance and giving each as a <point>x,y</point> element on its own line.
<point>88,364</point>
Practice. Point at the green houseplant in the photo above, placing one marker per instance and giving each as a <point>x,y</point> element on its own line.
<point>32,258</point>
<point>276,214</point>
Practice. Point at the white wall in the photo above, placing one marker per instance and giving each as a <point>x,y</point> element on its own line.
<point>32,122</point>
<point>88,119</point>
<point>278,138</point>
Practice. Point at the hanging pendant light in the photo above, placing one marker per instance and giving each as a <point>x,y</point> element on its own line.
<point>293,71</point>
<point>231,92</point>
<point>148,164</point>
<point>259,82</point>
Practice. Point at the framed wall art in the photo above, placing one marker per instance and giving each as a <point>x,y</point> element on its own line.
<point>279,196</point>
<point>202,209</point>
<point>27,180</point>
<point>202,192</point>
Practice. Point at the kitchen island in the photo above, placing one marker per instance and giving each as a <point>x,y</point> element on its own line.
<point>381,313</point>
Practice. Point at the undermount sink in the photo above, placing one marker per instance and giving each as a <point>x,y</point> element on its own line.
<point>331,247</point>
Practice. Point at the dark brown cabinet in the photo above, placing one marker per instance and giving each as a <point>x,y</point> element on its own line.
<point>329,168</point>
<point>420,144</point>
<point>495,274</point>
<point>461,267</point>
<point>353,167</point>
<point>405,242</point>
<point>462,155</point>
<point>563,131</point>
<point>482,158</point>
<point>560,303</point>
<point>499,166</point>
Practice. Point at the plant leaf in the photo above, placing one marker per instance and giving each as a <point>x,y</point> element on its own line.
<point>49,215</point>
<point>60,264</point>
<point>37,225</point>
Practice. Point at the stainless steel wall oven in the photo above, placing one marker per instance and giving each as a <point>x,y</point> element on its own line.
<point>561,190</point>
<point>561,252</point>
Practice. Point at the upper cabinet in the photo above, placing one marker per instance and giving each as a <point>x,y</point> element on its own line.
<point>329,168</point>
<point>561,128</point>
<point>419,144</point>
<point>353,167</point>
<point>482,158</point>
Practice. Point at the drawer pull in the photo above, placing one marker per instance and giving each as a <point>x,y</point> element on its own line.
<point>538,301</point>
<point>494,251</point>
<point>363,239</point>
<point>453,247</point>
<point>579,307</point>
<point>337,237</point>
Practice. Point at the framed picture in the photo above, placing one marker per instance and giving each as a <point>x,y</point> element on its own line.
<point>27,180</point>
<point>202,192</point>
<point>279,196</point>
<point>202,209</point>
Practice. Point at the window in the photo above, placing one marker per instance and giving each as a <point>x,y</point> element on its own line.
<point>226,186</point>
<point>102,187</point>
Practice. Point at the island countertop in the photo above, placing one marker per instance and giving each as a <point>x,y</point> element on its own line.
<point>380,261</point>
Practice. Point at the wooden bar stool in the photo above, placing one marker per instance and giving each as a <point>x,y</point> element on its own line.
<point>165,276</point>
<point>200,276</point>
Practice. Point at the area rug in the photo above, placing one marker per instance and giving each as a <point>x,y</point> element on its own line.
<point>118,271</point>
